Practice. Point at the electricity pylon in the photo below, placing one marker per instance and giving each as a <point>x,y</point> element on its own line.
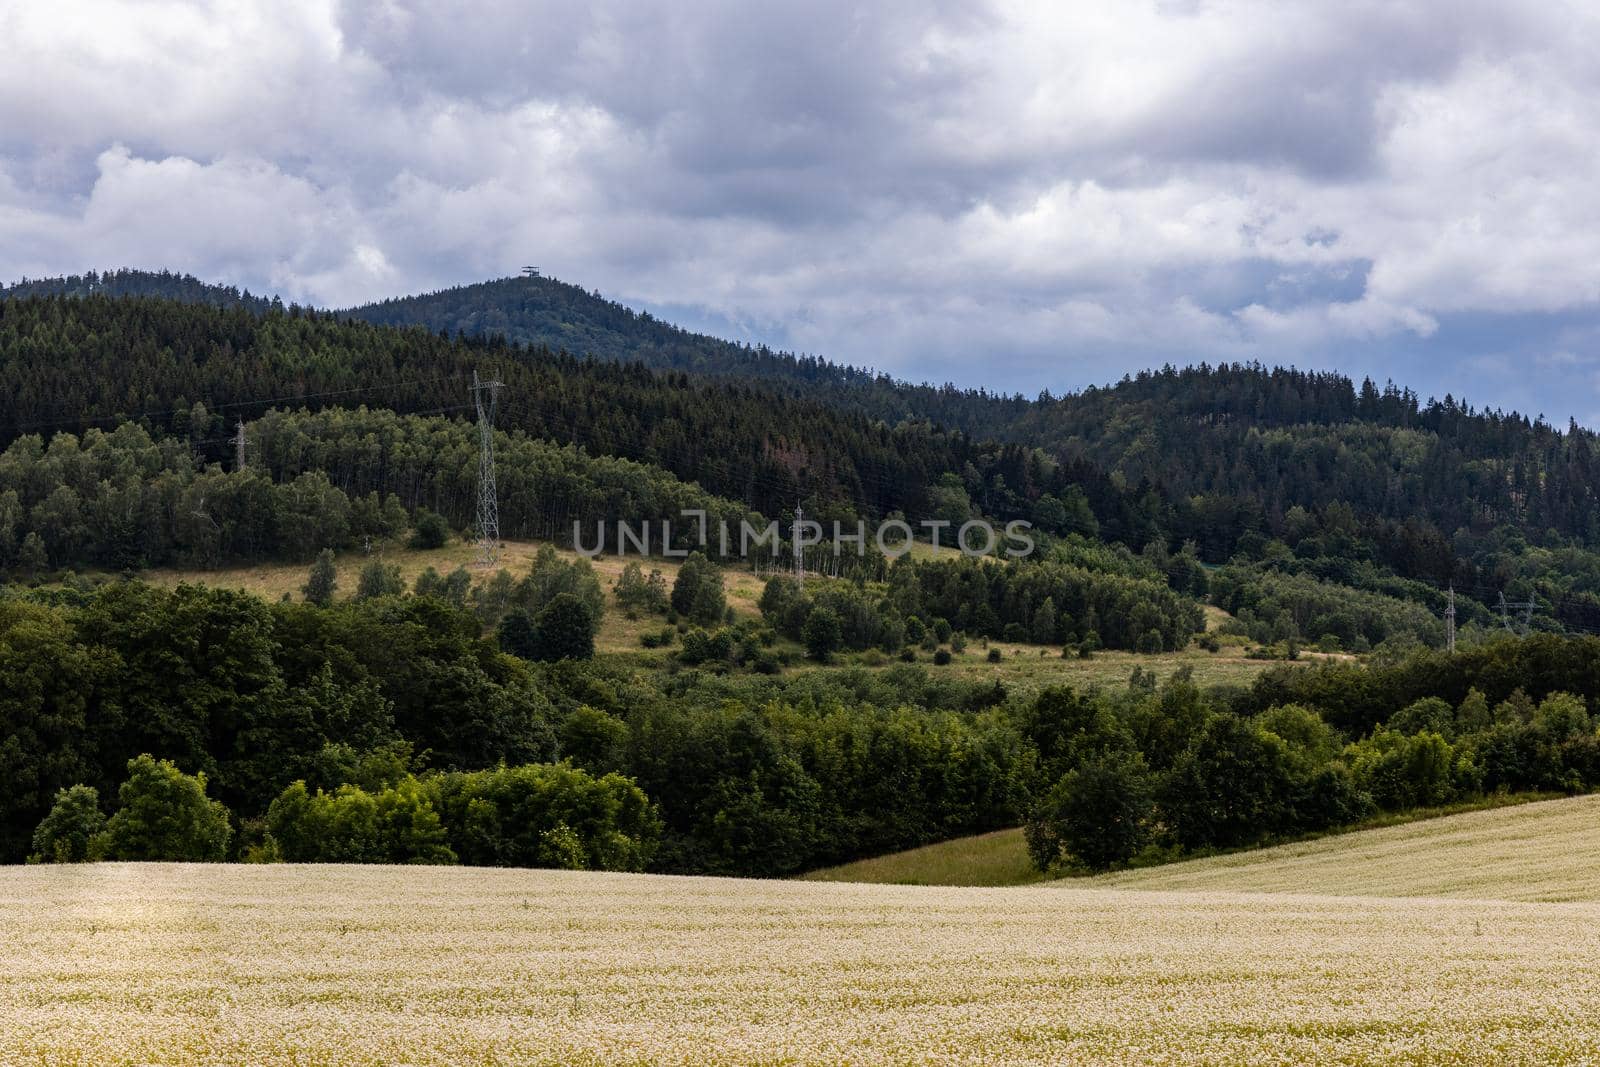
<point>1524,624</point>
<point>488,501</point>
<point>1450,622</point>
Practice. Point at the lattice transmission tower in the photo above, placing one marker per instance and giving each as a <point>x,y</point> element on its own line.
<point>1524,621</point>
<point>488,500</point>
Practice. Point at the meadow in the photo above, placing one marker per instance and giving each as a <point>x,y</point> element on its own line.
<point>236,965</point>
<point>1024,667</point>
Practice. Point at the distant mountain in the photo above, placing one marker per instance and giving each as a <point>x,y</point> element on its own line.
<point>546,312</point>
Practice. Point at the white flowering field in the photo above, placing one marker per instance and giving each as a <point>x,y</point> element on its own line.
<point>174,964</point>
<point>1547,851</point>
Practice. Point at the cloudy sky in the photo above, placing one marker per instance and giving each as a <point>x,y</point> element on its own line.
<point>1015,195</point>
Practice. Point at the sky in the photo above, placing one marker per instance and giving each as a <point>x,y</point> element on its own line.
<point>1021,196</point>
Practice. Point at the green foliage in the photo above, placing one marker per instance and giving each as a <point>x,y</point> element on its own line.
<point>322,581</point>
<point>379,579</point>
<point>164,814</point>
<point>697,591</point>
<point>822,634</point>
<point>71,832</point>
<point>1097,815</point>
<point>564,629</point>
<point>397,824</point>
<point>516,636</point>
<point>547,816</point>
<point>430,530</point>
<point>636,591</point>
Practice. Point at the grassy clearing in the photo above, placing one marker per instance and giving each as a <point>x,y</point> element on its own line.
<point>993,859</point>
<point>617,632</point>
<point>335,966</point>
<point>1023,666</point>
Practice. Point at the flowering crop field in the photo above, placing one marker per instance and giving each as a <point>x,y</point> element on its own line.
<point>1547,851</point>
<point>169,964</point>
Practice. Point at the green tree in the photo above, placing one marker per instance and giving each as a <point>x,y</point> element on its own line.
<point>396,824</point>
<point>697,593</point>
<point>430,530</point>
<point>823,633</point>
<point>164,814</point>
<point>1097,814</point>
<point>1044,622</point>
<point>379,579</point>
<point>322,581</point>
<point>564,630</point>
<point>70,832</point>
<point>515,634</point>
<point>32,559</point>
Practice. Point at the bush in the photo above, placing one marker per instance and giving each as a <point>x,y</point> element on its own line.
<point>515,635</point>
<point>941,657</point>
<point>379,579</point>
<point>395,825</point>
<point>429,531</point>
<point>70,832</point>
<point>164,814</point>
<point>322,581</point>
<point>547,816</point>
<point>995,655</point>
<point>1097,814</point>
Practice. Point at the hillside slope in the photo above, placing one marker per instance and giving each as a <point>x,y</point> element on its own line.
<point>1546,851</point>
<point>275,964</point>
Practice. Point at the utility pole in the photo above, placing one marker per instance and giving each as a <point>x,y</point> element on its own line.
<point>488,501</point>
<point>238,448</point>
<point>1450,622</point>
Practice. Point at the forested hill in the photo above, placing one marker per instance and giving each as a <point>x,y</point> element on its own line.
<point>1219,455</point>
<point>80,362</point>
<point>162,285</point>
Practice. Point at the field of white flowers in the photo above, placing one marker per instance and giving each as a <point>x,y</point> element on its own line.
<point>174,964</point>
<point>1548,851</point>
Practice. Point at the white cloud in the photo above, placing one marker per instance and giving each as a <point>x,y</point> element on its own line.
<point>1068,190</point>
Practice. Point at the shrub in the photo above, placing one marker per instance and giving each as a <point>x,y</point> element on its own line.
<point>164,814</point>
<point>70,832</point>
<point>941,657</point>
<point>697,591</point>
<point>379,579</point>
<point>542,815</point>
<point>397,824</point>
<point>995,655</point>
<point>429,531</point>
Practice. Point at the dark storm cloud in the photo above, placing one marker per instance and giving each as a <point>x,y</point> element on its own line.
<point>1008,194</point>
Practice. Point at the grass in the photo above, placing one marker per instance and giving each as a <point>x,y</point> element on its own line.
<point>341,966</point>
<point>992,859</point>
